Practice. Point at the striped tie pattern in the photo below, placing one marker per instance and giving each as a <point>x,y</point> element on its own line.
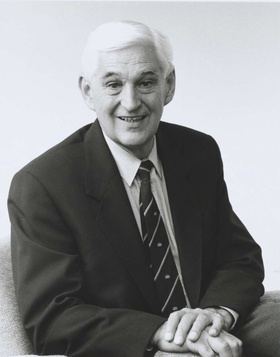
<point>157,248</point>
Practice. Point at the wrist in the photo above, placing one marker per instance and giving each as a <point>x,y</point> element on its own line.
<point>158,334</point>
<point>226,315</point>
<point>229,319</point>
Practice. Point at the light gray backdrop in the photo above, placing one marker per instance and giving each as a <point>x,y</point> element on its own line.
<point>227,57</point>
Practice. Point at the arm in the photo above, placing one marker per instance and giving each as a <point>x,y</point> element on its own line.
<point>232,270</point>
<point>236,282</point>
<point>51,289</point>
<point>229,260</point>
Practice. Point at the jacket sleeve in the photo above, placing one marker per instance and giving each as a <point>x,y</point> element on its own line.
<point>50,288</point>
<point>236,281</point>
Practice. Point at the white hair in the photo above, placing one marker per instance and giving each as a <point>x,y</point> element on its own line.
<point>117,35</point>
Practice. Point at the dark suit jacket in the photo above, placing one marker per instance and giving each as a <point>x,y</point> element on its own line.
<point>81,279</point>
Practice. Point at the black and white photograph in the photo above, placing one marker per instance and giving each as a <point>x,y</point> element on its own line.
<point>140,171</point>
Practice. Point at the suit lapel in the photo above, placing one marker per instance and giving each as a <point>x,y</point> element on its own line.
<point>115,216</point>
<point>185,214</point>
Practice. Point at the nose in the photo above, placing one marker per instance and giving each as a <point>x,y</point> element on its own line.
<point>130,98</point>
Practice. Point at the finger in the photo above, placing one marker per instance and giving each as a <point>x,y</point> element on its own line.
<point>205,351</point>
<point>234,343</point>
<point>217,325</point>
<point>236,346</point>
<point>202,348</point>
<point>199,325</point>
<point>184,327</point>
<point>172,324</point>
<point>221,347</point>
<point>226,345</point>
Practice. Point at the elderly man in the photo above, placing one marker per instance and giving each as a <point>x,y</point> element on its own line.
<point>123,237</point>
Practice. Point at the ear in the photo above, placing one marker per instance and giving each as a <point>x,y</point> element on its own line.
<point>86,92</point>
<point>170,83</point>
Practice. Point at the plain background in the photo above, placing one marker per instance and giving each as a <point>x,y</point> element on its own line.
<point>227,58</point>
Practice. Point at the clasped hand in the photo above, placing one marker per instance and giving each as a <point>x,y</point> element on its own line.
<point>199,331</point>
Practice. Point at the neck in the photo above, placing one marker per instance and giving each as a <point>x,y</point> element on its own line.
<point>140,152</point>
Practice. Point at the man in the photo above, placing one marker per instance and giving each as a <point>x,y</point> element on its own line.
<point>91,275</point>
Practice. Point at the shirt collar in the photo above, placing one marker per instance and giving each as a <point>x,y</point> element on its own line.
<point>128,164</point>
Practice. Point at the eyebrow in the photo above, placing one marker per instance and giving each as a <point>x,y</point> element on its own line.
<point>147,72</point>
<point>110,74</point>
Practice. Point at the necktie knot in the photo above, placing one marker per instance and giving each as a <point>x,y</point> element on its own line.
<point>144,170</point>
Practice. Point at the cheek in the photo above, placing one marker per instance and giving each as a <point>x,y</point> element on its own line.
<point>157,109</point>
<point>103,104</point>
<point>156,102</point>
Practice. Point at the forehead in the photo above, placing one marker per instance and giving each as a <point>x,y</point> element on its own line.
<point>133,60</point>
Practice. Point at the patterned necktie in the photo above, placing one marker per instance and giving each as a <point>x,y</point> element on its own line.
<point>157,248</point>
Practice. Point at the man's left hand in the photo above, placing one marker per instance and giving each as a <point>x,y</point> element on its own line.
<point>192,322</point>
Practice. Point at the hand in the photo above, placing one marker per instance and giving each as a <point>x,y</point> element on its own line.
<point>192,322</point>
<point>227,316</point>
<point>225,345</point>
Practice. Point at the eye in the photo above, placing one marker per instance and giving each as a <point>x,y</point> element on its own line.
<point>146,84</point>
<point>113,85</point>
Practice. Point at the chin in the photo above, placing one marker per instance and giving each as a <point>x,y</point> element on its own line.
<point>140,149</point>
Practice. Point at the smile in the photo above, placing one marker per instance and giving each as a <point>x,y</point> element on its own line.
<point>132,119</point>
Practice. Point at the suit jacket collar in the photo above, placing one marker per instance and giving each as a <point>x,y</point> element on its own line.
<point>100,165</point>
<point>104,183</point>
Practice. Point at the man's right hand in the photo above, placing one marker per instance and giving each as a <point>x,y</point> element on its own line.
<point>224,345</point>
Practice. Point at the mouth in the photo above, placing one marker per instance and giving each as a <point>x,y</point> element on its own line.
<point>132,119</point>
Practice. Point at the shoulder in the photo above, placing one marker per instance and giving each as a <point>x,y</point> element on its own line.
<point>60,155</point>
<point>63,162</point>
<point>191,142</point>
<point>179,132</point>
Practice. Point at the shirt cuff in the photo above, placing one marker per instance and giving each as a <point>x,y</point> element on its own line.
<point>234,314</point>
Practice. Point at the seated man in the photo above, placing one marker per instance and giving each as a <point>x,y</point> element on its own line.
<point>123,237</point>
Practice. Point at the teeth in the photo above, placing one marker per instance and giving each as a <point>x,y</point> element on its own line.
<point>131,119</point>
